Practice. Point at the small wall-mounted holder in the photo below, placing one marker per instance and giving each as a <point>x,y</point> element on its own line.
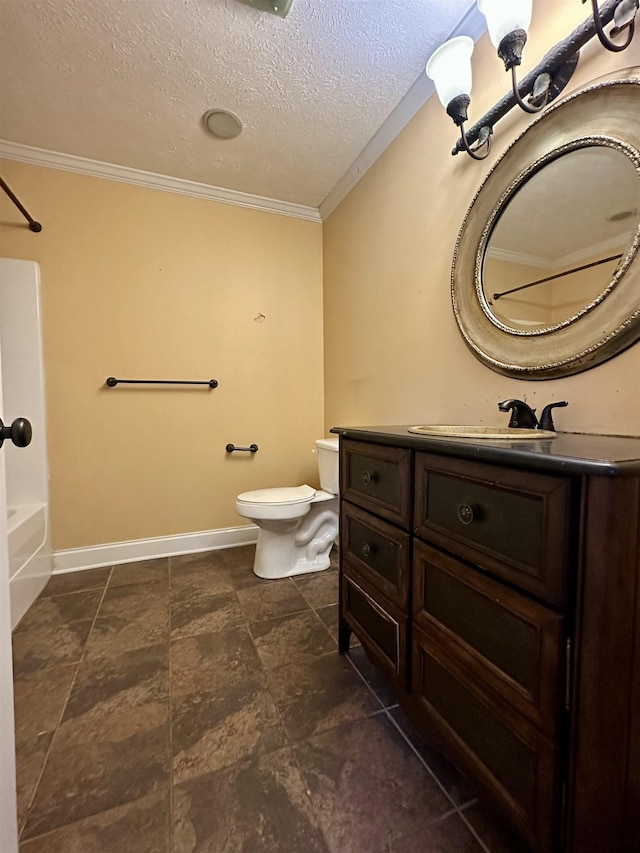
<point>231,448</point>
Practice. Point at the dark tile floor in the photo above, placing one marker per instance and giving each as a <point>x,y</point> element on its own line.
<point>183,705</point>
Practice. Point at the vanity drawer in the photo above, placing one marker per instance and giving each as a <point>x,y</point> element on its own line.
<point>515,524</point>
<point>504,754</point>
<point>377,478</point>
<point>379,625</point>
<point>511,645</point>
<point>378,551</point>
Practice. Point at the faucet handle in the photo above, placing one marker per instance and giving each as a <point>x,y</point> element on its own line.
<point>546,421</point>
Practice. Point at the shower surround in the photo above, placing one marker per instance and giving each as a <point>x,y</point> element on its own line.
<point>29,540</point>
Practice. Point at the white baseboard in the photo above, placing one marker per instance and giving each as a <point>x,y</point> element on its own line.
<point>75,559</point>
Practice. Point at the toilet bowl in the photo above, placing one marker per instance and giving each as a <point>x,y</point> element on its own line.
<point>297,525</point>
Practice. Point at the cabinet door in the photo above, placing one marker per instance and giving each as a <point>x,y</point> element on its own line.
<point>378,551</point>
<point>380,626</point>
<point>377,478</point>
<point>506,756</point>
<point>515,524</point>
<point>512,646</point>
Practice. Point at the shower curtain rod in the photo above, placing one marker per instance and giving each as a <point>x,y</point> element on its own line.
<point>33,225</point>
<point>558,275</point>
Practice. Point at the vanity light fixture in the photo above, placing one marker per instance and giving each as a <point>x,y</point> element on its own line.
<point>508,22</point>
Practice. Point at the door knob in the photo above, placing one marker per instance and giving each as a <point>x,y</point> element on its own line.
<point>19,432</point>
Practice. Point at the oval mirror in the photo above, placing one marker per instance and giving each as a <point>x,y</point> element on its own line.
<point>543,270</point>
<point>545,280</point>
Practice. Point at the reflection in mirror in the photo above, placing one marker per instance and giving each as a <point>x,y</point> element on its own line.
<point>561,237</point>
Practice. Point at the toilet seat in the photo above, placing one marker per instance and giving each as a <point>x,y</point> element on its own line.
<point>283,496</point>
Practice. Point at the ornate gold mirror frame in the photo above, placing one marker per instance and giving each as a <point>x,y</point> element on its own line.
<point>605,112</point>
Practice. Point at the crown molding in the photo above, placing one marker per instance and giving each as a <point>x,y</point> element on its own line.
<point>621,243</point>
<point>473,24</point>
<point>150,180</point>
<point>498,254</point>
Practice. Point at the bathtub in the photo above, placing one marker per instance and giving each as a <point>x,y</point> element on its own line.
<point>30,558</point>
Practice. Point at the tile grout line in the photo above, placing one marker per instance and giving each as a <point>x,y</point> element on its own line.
<point>470,826</point>
<point>458,809</point>
<point>307,791</point>
<point>421,759</point>
<point>290,745</point>
<point>455,810</point>
<point>383,707</point>
<point>64,708</point>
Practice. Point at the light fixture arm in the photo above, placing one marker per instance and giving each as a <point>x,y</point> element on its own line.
<point>484,144</point>
<point>558,63</point>
<point>457,110</point>
<point>528,108</point>
<point>625,11</point>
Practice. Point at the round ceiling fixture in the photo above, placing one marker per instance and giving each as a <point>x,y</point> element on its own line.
<point>222,123</point>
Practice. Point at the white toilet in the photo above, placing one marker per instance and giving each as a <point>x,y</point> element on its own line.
<point>297,525</point>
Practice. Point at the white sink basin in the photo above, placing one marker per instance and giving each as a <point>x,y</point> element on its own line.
<point>482,432</point>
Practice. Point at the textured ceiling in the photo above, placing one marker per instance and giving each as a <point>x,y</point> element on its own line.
<point>564,212</point>
<point>127,82</point>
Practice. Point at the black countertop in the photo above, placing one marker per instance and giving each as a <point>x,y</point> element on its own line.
<point>568,452</point>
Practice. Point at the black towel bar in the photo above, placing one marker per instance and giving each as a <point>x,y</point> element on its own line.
<point>112,382</point>
<point>230,448</point>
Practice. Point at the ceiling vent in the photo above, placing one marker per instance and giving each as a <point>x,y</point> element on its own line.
<point>222,123</point>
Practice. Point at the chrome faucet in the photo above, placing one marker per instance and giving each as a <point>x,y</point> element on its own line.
<point>524,417</point>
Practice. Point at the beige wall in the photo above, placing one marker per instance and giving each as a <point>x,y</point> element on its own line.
<point>393,353</point>
<point>143,283</point>
<point>139,283</point>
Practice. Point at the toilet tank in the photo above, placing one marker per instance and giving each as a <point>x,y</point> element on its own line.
<point>328,464</point>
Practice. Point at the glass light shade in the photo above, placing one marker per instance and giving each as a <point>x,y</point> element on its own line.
<point>450,68</point>
<point>505,16</point>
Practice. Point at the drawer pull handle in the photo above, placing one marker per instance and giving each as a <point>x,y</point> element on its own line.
<point>366,549</point>
<point>465,514</point>
<point>369,478</point>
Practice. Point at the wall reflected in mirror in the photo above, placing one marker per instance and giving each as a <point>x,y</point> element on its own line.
<point>561,236</point>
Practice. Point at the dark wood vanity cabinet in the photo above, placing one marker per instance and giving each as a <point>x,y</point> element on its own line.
<point>503,600</point>
<point>375,553</point>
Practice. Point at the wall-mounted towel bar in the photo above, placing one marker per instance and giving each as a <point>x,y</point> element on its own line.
<point>231,448</point>
<point>33,225</point>
<point>112,382</point>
